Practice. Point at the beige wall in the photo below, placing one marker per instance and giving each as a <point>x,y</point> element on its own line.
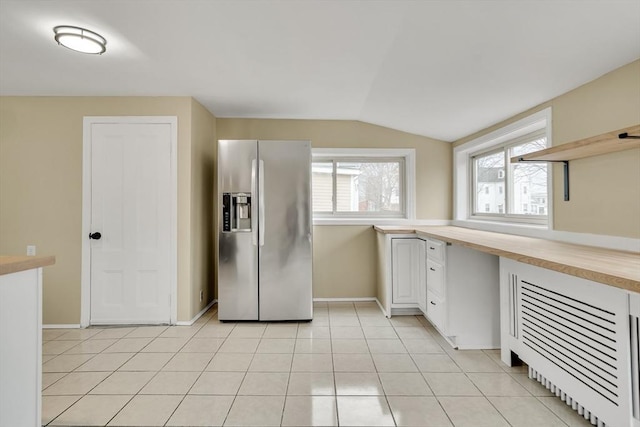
<point>41,182</point>
<point>203,161</point>
<point>605,190</point>
<point>434,176</point>
<point>41,187</point>
<point>344,257</point>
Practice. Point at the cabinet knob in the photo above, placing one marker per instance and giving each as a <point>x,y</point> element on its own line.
<point>432,303</point>
<point>432,269</point>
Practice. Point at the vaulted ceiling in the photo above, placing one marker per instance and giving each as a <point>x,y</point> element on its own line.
<point>439,68</point>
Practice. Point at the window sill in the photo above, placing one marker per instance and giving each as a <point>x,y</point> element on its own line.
<point>378,221</point>
<point>358,221</point>
<point>501,227</point>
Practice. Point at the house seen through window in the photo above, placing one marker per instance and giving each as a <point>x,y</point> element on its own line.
<point>524,184</point>
<point>363,186</point>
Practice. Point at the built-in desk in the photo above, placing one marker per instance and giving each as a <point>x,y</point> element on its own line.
<point>571,312</point>
<point>21,339</point>
<point>614,268</point>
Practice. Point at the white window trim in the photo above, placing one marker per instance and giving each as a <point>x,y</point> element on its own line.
<point>505,217</point>
<point>409,155</point>
<point>462,213</point>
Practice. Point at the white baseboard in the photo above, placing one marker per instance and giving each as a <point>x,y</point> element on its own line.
<point>382,308</point>
<point>405,312</point>
<point>197,316</point>
<point>62,326</point>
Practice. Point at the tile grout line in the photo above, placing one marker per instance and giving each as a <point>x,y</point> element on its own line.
<point>449,354</point>
<point>384,392</point>
<point>333,366</point>
<point>286,391</point>
<point>117,369</point>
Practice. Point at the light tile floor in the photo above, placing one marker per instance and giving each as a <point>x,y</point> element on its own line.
<point>350,366</point>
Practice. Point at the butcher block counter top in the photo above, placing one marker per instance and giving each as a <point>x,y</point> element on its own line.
<point>615,268</point>
<point>14,264</point>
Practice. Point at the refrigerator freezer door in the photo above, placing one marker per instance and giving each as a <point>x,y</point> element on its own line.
<point>237,251</point>
<point>285,237</point>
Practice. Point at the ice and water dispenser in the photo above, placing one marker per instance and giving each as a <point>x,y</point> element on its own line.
<point>236,212</point>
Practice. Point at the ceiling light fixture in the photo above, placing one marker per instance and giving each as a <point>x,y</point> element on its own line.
<point>80,39</point>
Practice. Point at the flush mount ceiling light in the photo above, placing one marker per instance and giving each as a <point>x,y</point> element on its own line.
<point>80,39</point>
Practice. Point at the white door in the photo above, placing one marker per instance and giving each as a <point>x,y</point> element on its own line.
<point>131,209</point>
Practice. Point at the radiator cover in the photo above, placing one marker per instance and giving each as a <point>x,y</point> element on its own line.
<point>575,335</point>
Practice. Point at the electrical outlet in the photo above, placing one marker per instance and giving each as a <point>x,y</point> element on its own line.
<point>31,250</point>
<point>201,295</point>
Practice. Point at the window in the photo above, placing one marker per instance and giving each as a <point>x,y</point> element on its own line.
<point>362,183</point>
<point>485,162</point>
<point>525,184</point>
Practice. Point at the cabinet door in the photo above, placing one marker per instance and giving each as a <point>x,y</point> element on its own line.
<point>408,270</point>
<point>422,276</point>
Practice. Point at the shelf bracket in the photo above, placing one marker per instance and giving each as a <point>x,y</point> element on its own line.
<point>565,169</point>
<point>625,135</point>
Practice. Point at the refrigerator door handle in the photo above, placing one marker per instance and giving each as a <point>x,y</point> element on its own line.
<point>261,219</point>
<point>254,216</point>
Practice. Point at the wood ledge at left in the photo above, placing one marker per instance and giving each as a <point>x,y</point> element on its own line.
<point>14,264</point>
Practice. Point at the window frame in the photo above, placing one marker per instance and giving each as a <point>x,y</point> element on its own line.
<point>505,148</point>
<point>406,157</point>
<point>462,207</point>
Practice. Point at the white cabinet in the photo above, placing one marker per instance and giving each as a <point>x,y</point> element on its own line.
<point>402,274</point>
<point>463,295</point>
<point>20,348</point>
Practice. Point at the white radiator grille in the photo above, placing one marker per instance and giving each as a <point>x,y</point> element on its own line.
<point>576,337</point>
<point>592,418</point>
<point>513,306</point>
<point>634,323</point>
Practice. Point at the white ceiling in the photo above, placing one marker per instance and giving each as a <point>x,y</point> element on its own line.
<point>442,69</point>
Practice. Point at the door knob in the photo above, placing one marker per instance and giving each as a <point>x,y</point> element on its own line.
<point>95,235</point>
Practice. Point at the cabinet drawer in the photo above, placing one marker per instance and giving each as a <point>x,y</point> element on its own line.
<point>435,277</point>
<point>436,310</point>
<point>435,250</point>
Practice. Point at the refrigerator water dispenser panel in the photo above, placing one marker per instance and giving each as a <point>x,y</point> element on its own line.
<point>236,212</point>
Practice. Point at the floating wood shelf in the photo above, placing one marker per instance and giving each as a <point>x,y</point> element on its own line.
<point>610,142</point>
<point>606,143</point>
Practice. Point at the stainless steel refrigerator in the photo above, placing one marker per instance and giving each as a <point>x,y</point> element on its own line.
<point>264,230</point>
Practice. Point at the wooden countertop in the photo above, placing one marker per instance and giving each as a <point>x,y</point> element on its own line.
<point>14,264</point>
<point>615,268</point>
